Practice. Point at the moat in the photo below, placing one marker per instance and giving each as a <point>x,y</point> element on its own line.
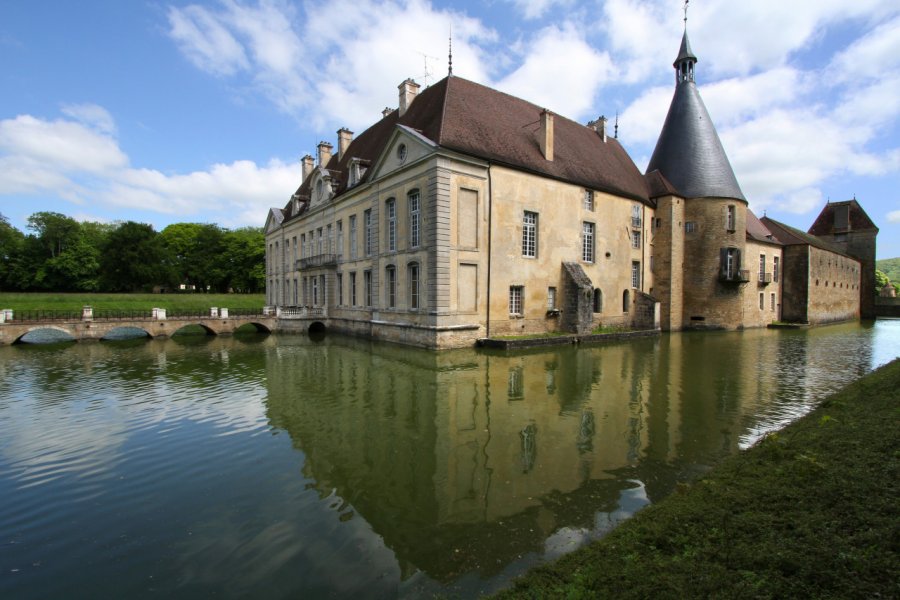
<point>281,466</point>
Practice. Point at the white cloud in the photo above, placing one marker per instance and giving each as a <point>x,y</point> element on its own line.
<point>92,116</point>
<point>869,56</point>
<point>65,159</point>
<point>894,216</point>
<point>533,9</point>
<point>206,41</point>
<point>558,58</point>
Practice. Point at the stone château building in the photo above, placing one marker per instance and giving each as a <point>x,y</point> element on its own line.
<point>469,213</point>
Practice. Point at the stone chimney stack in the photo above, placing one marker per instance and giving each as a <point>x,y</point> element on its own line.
<point>387,110</point>
<point>600,127</point>
<point>545,135</point>
<point>408,90</point>
<point>308,166</point>
<point>324,153</point>
<point>345,136</point>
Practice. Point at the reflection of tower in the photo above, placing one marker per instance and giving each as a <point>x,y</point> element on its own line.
<point>586,431</point>
<point>529,447</point>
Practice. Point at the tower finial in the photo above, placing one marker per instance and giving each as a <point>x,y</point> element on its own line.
<point>685,13</point>
<point>616,128</point>
<point>450,55</point>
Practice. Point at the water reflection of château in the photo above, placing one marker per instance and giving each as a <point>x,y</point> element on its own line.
<point>466,460</point>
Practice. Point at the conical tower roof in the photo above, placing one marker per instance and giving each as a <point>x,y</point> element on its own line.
<point>689,153</point>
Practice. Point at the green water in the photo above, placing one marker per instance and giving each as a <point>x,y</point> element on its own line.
<point>286,467</point>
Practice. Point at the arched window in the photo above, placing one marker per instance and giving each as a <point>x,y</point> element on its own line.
<point>391,217</point>
<point>598,300</point>
<point>626,301</point>
<point>414,218</point>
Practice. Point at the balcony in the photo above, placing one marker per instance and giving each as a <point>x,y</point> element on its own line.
<point>738,276</point>
<point>765,278</point>
<point>320,260</point>
<point>300,312</point>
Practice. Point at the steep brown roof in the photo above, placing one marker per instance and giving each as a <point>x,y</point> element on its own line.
<point>468,117</point>
<point>658,185</point>
<point>757,231</point>
<point>825,223</point>
<point>791,236</point>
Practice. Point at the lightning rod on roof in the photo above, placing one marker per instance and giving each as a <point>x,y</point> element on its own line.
<point>450,54</point>
<point>428,72</point>
<point>616,128</point>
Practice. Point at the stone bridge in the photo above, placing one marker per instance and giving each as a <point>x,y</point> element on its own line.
<point>13,327</point>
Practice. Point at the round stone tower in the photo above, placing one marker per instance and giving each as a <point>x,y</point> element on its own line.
<point>690,156</point>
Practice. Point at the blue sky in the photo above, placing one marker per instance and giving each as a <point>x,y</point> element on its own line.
<point>200,111</point>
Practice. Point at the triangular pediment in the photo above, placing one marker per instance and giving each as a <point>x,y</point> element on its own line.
<point>405,147</point>
<point>274,219</point>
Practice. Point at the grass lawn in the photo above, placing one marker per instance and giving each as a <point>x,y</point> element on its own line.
<point>810,512</point>
<point>171,302</point>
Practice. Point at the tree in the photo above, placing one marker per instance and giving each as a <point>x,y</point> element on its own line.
<point>54,230</point>
<point>880,280</point>
<point>245,256</point>
<point>11,242</point>
<point>133,259</point>
<point>196,251</point>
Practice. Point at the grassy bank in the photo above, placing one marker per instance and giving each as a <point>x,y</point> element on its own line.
<point>809,512</point>
<point>171,302</point>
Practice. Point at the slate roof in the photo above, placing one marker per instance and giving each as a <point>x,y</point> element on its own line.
<point>658,185</point>
<point>476,120</point>
<point>685,51</point>
<point>689,152</point>
<point>757,231</point>
<point>859,220</point>
<point>791,236</point>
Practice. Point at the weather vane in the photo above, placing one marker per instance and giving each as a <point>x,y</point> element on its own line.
<point>450,55</point>
<point>685,12</point>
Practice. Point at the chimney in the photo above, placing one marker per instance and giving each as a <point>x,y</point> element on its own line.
<point>345,136</point>
<point>408,90</point>
<point>324,153</point>
<point>600,127</point>
<point>546,134</point>
<point>308,166</point>
<point>387,110</point>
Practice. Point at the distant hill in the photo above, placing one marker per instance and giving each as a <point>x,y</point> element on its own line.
<point>890,267</point>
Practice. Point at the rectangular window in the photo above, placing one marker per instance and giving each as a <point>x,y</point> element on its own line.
<point>730,218</point>
<point>330,242</point>
<point>296,298</point>
<point>367,287</point>
<point>315,292</point>
<point>352,288</point>
<point>588,199</point>
<point>322,288</point>
<point>340,238</point>
<point>353,237</point>
<point>636,274</point>
<point>339,282</point>
<point>551,298</point>
<point>367,225</point>
<point>690,227</point>
<point>762,301</point>
<point>391,273</point>
<point>762,267</point>
<point>587,242</point>
<point>775,270</point>
<point>515,300</point>
<point>414,219</point>
<point>529,234</point>
<point>294,255</point>
<point>305,291</point>
<point>635,215</point>
<point>635,239</point>
<point>413,278</point>
<point>391,225</point>
<point>302,245</point>
<point>319,241</point>
<point>772,296</point>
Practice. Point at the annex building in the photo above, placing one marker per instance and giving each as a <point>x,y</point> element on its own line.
<point>469,213</point>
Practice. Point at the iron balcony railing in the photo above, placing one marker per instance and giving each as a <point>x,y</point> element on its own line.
<point>319,260</point>
<point>737,276</point>
<point>765,278</point>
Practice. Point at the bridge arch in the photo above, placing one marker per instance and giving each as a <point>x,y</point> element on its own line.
<point>209,330</point>
<point>316,327</point>
<point>258,327</point>
<point>58,335</point>
<point>125,332</point>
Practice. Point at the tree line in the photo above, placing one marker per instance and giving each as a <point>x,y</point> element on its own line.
<point>60,254</point>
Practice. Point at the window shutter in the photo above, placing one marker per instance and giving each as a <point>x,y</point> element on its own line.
<point>737,260</point>
<point>723,263</point>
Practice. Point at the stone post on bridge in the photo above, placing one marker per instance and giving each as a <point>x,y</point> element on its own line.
<point>223,312</point>
<point>159,314</point>
<point>87,313</point>
<point>214,312</point>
